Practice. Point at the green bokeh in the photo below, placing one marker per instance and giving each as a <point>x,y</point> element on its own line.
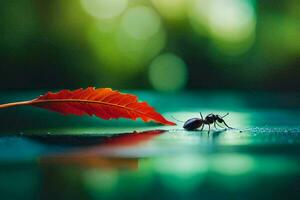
<point>226,44</point>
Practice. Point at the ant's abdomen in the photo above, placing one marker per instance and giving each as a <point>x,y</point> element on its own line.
<point>192,124</point>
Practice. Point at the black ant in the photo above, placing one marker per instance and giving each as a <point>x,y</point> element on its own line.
<point>195,123</point>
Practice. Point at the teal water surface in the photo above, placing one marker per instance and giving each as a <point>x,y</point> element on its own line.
<point>45,155</point>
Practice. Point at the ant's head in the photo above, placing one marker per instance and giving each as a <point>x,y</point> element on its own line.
<point>220,119</point>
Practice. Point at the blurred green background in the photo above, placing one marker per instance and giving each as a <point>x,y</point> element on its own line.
<point>157,45</point>
<point>165,45</point>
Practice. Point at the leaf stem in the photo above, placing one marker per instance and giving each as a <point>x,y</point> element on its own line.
<point>14,104</point>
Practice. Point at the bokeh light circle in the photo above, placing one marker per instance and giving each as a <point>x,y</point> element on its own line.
<point>104,9</point>
<point>118,53</point>
<point>141,22</point>
<point>168,73</point>
<point>231,24</point>
<point>171,9</point>
<point>231,20</point>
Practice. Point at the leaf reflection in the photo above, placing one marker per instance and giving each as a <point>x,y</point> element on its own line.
<point>103,154</point>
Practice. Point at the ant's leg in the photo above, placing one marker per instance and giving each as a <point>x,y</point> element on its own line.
<point>215,125</point>
<point>219,125</point>
<point>227,125</point>
<point>202,127</point>
<point>208,128</point>
<point>201,116</point>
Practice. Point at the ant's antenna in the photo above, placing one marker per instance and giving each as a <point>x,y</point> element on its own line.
<point>177,119</point>
<point>225,115</point>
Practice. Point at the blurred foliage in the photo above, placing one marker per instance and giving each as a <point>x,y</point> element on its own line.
<point>211,44</point>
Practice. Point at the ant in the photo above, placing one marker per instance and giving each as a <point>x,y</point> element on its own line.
<point>195,123</point>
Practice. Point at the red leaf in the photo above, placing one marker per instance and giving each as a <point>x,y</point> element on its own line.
<point>104,103</point>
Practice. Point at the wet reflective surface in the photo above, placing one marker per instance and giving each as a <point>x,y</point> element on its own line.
<point>44,155</point>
